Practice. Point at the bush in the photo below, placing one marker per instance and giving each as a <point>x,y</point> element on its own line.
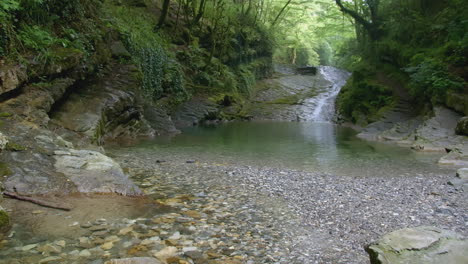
<point>362,96</point>
<point>162,74</point>
<point>430,79</point>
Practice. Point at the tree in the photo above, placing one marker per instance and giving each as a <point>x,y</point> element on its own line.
<point>371,23</point>
<point>164,11</point>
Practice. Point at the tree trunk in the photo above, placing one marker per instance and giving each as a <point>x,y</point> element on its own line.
<point>372,27</point>
<point>280,13</point>
<point>165,10</point>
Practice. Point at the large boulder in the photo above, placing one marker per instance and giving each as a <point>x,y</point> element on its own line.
<point>419,245</point>
<point>11,77</point>
<point>105,108</point>
<point>194,111</point>
<point>457,102</point>
<point>462,126</point>
<point>437,132</point>
<point>93,172</point>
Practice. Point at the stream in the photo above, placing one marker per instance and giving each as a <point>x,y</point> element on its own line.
<point>288,187</point>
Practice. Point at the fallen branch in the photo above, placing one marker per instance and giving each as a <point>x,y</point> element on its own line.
<point>35,201</point>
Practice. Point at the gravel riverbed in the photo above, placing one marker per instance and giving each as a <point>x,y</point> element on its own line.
<point>303,217</point>
<point>227,213</point>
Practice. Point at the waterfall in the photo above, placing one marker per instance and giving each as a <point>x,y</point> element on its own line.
<point>321,108</point>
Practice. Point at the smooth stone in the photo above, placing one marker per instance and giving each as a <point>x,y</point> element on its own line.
<point>29,247</point>
<point>85,253</point>
<point>462,173</point>
<point>419,245</point>
<point>107,245</point>
<point>175,236</point>
<point>85,242</point>
<point>93,172</point>
<point>61,243</point>
<point>194,254</point>
<point>50,259</point>
<point>112,239</point>
<point>166,253</point>
<point>187,249</point>
<point>98,228</point>
<point>126,230</point>
<point>49,248</point>
<point>140,260</point>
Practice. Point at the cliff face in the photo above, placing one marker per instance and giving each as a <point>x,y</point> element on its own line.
<point>77,75</point>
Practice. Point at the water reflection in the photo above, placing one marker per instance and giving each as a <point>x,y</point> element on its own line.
<point>319,147</point>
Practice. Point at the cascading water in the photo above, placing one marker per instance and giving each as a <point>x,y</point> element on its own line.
<point>321,108</point>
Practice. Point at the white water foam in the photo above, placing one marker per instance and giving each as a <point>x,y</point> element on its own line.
<point>322,106</point>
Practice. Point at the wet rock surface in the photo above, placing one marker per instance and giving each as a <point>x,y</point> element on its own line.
<point>194,111</point>
<point>462,126</point>
<point>104,107</point>
<point>294,97</point>
<point>93,172</point>
<point>419,245</point>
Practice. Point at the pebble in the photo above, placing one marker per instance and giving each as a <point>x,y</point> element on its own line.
<point>50,259</point>
<point>165,253</point>
<point>61,243</point>
<point>29,247</point>
<point>107,245</point>
<point>126,230</point>
<point>175,236</point>
<point>85,253</point>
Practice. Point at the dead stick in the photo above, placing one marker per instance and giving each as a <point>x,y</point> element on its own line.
<point>35,201</point>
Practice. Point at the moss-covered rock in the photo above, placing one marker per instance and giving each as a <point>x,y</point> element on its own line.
<point>462,126</point>
<point>4,171</point>
<point>457,102</point>
<point>4,220</point>
<point>12,146</point>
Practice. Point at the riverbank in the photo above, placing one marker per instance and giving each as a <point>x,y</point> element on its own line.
<point>335,217</point>
<point>231,213</point>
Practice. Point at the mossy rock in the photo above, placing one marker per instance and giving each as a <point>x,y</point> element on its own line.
<point>5,170</point>
<point>12,146</point>
<point>4,220</point>
<point>462,126</point>
<point>5,114</point>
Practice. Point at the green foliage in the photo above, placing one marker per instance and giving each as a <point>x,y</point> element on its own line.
<point>7,7</point>
<point>38,38</point>
<point>362,96</point>
<point>430,79</point>
<point>162,75</point>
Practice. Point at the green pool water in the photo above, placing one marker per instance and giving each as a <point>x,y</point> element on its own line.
<point>317,147</point>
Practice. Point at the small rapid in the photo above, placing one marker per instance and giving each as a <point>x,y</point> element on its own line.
<point>321,108</point>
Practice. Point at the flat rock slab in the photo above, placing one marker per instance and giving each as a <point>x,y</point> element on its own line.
<point>462,173</point>
<point>93,172</point>
<point>419,245</point>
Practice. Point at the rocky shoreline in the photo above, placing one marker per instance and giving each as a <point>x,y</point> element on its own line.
<point>221,213</point>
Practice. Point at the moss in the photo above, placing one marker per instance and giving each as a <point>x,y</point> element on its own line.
<point>5,170</point>
<point>4,221</point>
<point>288,100</point>
<point>5,114</point>
<point>12,146</point>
